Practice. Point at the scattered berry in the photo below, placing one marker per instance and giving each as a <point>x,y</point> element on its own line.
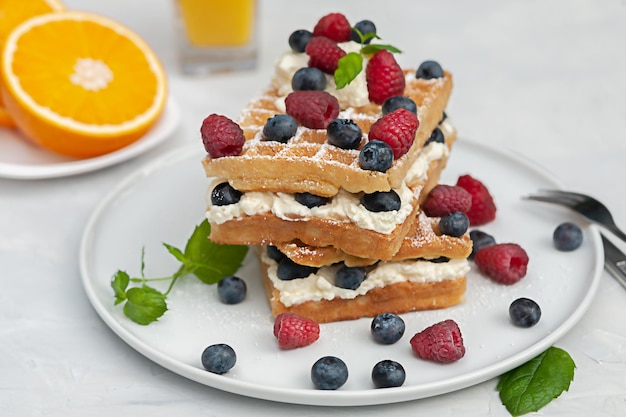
<point>224,194</point>
<point>376,155</point>
<point>397,129</point>
<point>294,331</point>
<point>441,342</point>
<point>381,201</point>
<point>503,262</point>
<point>288,270</point>
<point>221,136</point>
<point>454,224</point>
<point>349,277</point>
<point>429,70</point>
<point>311,200</point>
<point>329,373</point>
<point>436,136</point>
<point>388,374</point>
<point>445,199</point>
<point>365,27</point>
<point>344,134</point>
<point>274,253</point>
<point>567,237</point>
<point>312,109</point>
<point>480,239</point>
<point>483,208</point>
<point>299,39</point>
<point>308,78</point>
<point>280,128</point>
<point>231,290</point>
<point>334,26</point>
<point>219,358</point>
<point>524,312</point>
<point>384,77</point>
<point>399,102</point>
<point>324,54</point>
<point>387,328</point>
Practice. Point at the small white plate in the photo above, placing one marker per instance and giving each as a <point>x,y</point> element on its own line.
<point>23,160</point>
<point>164,201</point>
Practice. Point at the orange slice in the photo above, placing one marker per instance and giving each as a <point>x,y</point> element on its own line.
<point>80,84</point>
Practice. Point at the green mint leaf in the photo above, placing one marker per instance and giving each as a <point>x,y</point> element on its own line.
<point>175,252</point>
<point>373,48</point>
<point>534,384</point>
<point>210,261</point>
<point>144,305</point>
<point>349,66</point>
<point>119,283</point>
<point>143,263</point>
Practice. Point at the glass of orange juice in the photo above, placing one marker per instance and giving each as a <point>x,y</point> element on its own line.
<point>216,35</point>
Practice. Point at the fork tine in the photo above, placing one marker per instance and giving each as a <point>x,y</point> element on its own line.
<point>552,199</point>
<point>578,196</point>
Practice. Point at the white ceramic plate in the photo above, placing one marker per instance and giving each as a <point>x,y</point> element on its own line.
<point>20,159</point>
<point>164,201</point>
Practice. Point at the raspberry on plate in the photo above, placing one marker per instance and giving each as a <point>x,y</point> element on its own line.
<point>312,109</point>
<point>384,77</point>
<point>445,199</point>
<point>505,263</point>
<point>441,342</point>
<point>334,26</point>
<point>483,208</point>
<point>397,129</point>
<point>221,136</point>
<point>294,331</point>
<point>324,54</point>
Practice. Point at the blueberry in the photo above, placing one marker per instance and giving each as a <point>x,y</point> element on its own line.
<point>224,194</point>
<point>329,373</point>
<point>219,358</point>
<point>231,290</point>
<point>288,270</point>
<point>439,260</point>
<point>524,312</point>
<point>280,128</point>
<point>344,134</point>
<point>274,253</point>
<point>381,201</point>
<point>444,116</point>
<point>387,374</point>
<point>299,39</point>
<point>567,237</point>
<point>311,200</point>
<point>349,277</point>
<point>454,224</point>
<point>429,70</point>
<point>308,78</point>
<point>365,27</point>
<point>436,136</point>
<point>399,102</point>
<point>376,155</point>
<point>480,239</point>
<point>387,328</point>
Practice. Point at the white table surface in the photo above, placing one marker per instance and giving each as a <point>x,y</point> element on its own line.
<point>544,79</point>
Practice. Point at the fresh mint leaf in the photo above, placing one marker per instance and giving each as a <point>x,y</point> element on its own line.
<point>534,384</point>
<point>144,304</point>
<point>348,67</point>
<point>175,252</point>
<point>119,283</point>
<point>372,48</point>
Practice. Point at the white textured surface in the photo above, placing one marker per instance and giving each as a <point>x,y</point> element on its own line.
<point>544,79</point>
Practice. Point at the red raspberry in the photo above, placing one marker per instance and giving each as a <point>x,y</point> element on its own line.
<point>384,77</point>
<point>221,136</point>
<point>503,262</point>
<point>483,208</point>
<point>334,26</point>
<point>441,342</point>
<point>397,129</point>
<point>446,199</point>
<point>294,331</point>
<point>312,109</point>
<point>324,54</point>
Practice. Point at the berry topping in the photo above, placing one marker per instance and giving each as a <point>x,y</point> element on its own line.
<point>365,27</point>
<point>384,77</point>
<point>299,39</point>
<point>524,312</point>
<point>312,109</point>
<point>344,134</point>
<point>503,262</point>
<point>381,201</point>
<point>436,136</point>
<point>483,208</point>
<point>429,70</point>
<point>231,290</point>
<point>219,358</point>
<point>334,26</point>
<point>224,194</point>
<point>567,237</point>
<point>221,136</point>
<point>308,78</point>
<point>280,128</point>
<point>397,129</point>
<point>454,224</point>
<point>324,54</point>
<point>387,328</point>
<point>311,200</point>
<point>441,342</point>
<point>445,199</point>
<point>349,277</point>
<point>329,373</point>
<point>376,155</point>
<point>480,239</point>
<point>399,102</point>
<point>288,270</point>
<point>387,374</point>
<point>294,331</point>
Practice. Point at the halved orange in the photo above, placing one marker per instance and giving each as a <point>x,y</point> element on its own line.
<point>80,84</point>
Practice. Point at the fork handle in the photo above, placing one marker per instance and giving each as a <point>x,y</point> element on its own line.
<point>617,232</point>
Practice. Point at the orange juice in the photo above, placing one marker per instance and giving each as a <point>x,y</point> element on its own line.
<point>218,23</point>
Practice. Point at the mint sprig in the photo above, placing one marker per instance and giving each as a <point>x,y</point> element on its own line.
<point>534,384</point>
<point>208,261</point>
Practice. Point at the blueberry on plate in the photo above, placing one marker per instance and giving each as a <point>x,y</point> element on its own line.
<point>349,277</point>
<point>429,70</point>
<point>231,290</point>
<point>381,201</point>
<point>365,27</point>
<point>224,194</point>
<point>219,358</point>
<point>388,374</point>
<point>524,312</point>
<point>288,270</point>
<point>299,39</point>
<point>567,237</point>
<point>480,239</point>
<point>436,136</point>
<point>311,200</point>
<point>454,224</point>
<point>280,128</point>
<point>344,134</point>
<point>399,102</point>
<point>308,78</point>
<point>329,373</point>
<point>376,155</point>
<point>387,328</point>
